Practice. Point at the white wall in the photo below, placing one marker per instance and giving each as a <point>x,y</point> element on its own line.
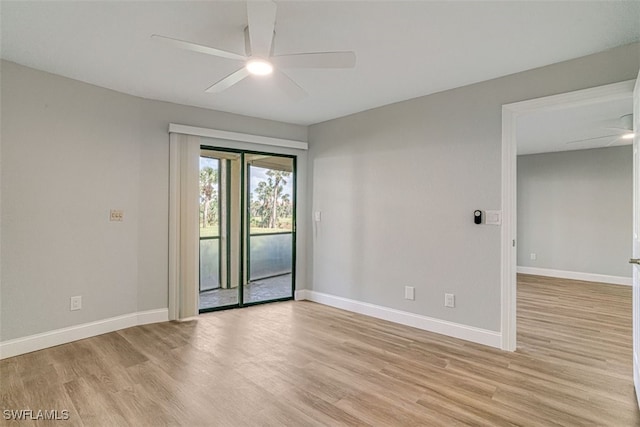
<point>397,187</point>
<point>70,152</point>
<point>575,210</point>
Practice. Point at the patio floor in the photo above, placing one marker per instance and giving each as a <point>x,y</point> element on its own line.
<point>259,290</point>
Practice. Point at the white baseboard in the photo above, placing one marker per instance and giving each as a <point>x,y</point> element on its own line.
<point>300,295</point>
<point>153,316</point>
<point>574,275</point>
<point>35,342</point>
<point>456,330</point>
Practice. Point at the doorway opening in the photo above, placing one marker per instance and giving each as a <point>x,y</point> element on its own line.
<point>510,115</point>
<point>247,228</point>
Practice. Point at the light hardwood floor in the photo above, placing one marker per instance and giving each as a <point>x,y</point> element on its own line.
<point>300,363</point>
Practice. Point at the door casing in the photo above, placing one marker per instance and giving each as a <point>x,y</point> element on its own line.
<point>636,238</point>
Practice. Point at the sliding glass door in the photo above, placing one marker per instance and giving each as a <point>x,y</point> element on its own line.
<point>270,213</point>
<point>247,228</point>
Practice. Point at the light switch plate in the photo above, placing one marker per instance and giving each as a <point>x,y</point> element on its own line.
<point>493,217</point>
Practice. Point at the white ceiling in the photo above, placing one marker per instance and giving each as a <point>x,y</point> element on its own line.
<point>575,128</point>
<point>404,49</point>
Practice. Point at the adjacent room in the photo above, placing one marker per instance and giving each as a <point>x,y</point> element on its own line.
<point>575,192</point>
<point>316,213</point>
<point>575,227</point>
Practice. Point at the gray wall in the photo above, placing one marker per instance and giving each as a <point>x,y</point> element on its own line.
<point>397,187</point>
<point>70,152</point>
<point>575,210</point>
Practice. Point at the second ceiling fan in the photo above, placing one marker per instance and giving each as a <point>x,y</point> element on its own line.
<point>258,58</point>
<point>623,131</point>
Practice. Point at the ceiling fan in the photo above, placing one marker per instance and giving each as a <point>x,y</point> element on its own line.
<point>624,131</point>
<point>258,57</point>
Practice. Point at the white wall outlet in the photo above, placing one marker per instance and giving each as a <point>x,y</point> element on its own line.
<point>533,256</point>
<point>76,303</point>
<point>409,292</point>
<point>449,300</point>
<point>116,215</point>
<point>317,216</point>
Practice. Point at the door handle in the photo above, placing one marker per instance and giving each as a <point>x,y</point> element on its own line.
<point>634,261</point>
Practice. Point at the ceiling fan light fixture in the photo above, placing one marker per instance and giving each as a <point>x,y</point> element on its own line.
<point>259,67</point>
<point>629,135</point>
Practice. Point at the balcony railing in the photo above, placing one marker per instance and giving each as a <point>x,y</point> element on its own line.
<point>270,254</point>
<point>209,263</point>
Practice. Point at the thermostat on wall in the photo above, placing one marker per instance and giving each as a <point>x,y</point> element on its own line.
<point>477,217</point>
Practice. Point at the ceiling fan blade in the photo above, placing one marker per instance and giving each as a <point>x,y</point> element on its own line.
<point>316,60</point>
<point>577,141</point>
<point>614,141</point>
<point>624,122</point>
<point>619,129</point>
<point>228,81</point>
<point>198,48</point>
<point>292,89</point>
<point>261,16</point>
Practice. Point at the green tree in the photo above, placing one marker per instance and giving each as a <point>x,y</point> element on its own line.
<point>208,195</point>
<point>270,198</point>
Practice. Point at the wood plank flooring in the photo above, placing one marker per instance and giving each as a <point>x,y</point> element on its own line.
<point>303,364</point>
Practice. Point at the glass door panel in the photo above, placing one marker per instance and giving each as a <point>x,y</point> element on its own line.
<point>209,224</point>
<point>220,195</point>
<point>271,227</point>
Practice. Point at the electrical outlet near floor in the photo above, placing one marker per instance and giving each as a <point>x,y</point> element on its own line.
<point>409,292</point>
<point>533,256</point>
<point>76,303</point>
<point>449,300</point>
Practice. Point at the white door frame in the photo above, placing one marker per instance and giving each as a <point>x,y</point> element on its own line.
<point>510,114</point>
<point>636,238</point>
